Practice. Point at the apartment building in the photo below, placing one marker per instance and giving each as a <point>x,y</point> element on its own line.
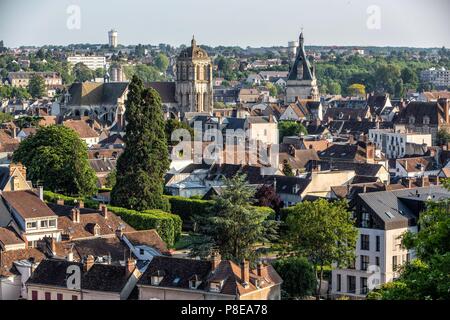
<point>92,62</point>
<point>382,218</point>
<point>396,144</point>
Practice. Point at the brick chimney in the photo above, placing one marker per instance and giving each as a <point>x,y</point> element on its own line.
<point>103,210</point>
<point>75,215</point>
<point>215,261</point>
<point>370,152</point>
<point>245,273</point>
<point>88,263</point>
<point>53,245</point>
<point>131,265</point>
<point>261,269</point>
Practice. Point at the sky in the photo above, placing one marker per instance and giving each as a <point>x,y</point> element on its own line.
<point>255,23</point>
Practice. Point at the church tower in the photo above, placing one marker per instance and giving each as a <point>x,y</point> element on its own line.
<point>302,82</point>
<point>194,83</point>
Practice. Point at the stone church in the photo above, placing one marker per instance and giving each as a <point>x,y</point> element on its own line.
<point>190,94</point>
<point>302,82</point>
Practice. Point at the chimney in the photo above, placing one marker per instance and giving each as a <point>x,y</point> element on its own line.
<point>409,183</point>
<point>245,273</point>
<point>370,152</point>
<point>261,269</point>
<point>103,210</point>
<point>70,255</point>
<point>41,192</point>
<point>215,261</point>
<point>424,181</point>
<point>119,233</point>
<point>53,245</point>
<point>60,202</point>
<point>80,204</point>
<point>75,214</point>
<point>88,263</point>
<point>131,265</point>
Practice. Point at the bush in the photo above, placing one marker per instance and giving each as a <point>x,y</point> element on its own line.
<point>299,278</point>
<point>187,208</point>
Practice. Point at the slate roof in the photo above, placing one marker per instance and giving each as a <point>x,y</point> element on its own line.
<point>94,93</point>
<point>343,152</point>
<point>102,165</point>
<point>149,238</point>
<point>342,113</point>
<point>361,169</point>
<point>100,277</point>
<point>99,247</point>
<point>165,89</point>
<point>391,206</point>
<point>418,110</point>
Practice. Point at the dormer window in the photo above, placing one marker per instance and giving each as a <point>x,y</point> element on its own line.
<point>194,282</point>
<point>412,120</point>
<point>157,277</point>
<point>215,286</point>
<point>426,120</point>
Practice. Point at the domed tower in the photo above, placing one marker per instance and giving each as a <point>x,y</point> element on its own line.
<point>194,85</point>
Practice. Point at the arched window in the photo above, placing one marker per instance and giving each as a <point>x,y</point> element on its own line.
<point>77,113</point>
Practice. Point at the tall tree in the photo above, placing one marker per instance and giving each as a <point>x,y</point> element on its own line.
<point>233,226</point>
<point>56,157</point>
<point>36,86</point>
<point>145,160</point>
<point>323,232</point>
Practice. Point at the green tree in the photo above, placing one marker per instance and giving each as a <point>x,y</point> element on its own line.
<point>299,278</point>
<point>322,231</point>
<point>287,169</point>
<point>82,73</point>
<point>233,226</point>
<point>357,89</point>
<point>144,72</point>
<point>56,157</point>
<point>145,160</point>
<point>162,62</point>
<point>36,86</point>
<point>111,179</point>
<point>99,72</point>
<point>442,137</point>
<point>5,117</point>
<point>172,125</point>
<point>290,128</point>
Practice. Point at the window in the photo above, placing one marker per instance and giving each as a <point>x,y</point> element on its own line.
<point>48,296</point>
<point>74,297</point>
<point>59,296</point>
<point>377,261</point>
<point>394,263</point>
<point>32,225</point>
<point>426,120</point>
<point>365,242</point>
<point>34,295</point>
<point>141,251</point>
<point>44,223</point>
<point>363,285</point>
<point>338,282</point>
<point>365,220</point>
<point>377,243</point>
<point>52,223</point>
<point>364,262</point>
<point>412,120</point>
<point>351,284</point>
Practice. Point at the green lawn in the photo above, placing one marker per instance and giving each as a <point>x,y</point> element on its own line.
<point>186,240</point>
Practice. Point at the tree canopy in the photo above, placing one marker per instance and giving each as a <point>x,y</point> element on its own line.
<point>57,158</point>
<point>290,128</point>
<point>141,167</point>
<point>36,86</point>
<point>233,226</point>
<point>323,232</point>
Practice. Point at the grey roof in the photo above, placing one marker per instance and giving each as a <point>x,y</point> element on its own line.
<point>391,206</point>
<point>234,123</point>
<point>165,89</point>
<point>92,93</point>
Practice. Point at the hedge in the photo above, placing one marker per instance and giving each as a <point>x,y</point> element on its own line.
<point>186,208</point>
<point>167,225</point>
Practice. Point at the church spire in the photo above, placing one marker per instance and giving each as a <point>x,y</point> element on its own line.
<point>193,42</point>
<point>301,39</point>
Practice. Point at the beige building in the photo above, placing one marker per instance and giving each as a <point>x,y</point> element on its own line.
<point>194,80</point>
<point>92,62</point>
<point>22,79</point>
<point>169,278</point>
